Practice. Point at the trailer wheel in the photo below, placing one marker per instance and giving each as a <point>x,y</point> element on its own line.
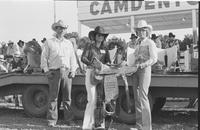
<point>35,100</point>
<point>124,116</point>
<point>79,101</point>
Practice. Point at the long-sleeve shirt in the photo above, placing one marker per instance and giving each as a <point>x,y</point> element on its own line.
<point>146,52</point>
<point>91,52</point>
<point>11,50</point>
<point>58,53</point>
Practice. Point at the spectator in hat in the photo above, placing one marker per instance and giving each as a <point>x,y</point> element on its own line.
<point>171,41</point>
<point>58,61</point>
<point>16,63</point>
<point>132,43</point>
<point>20,43</point>
<point>145,57</point>
<point>12,49</point>
<point>156,39</point>
<point>131,49</point>
<point>89,53</point>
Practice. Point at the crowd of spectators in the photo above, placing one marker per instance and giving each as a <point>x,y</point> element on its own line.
<point>13,59</point>
<point>11,52</point>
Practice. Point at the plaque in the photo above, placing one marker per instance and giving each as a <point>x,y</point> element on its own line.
<point>110,88</point>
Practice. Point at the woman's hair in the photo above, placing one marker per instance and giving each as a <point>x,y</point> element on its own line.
<point>91,35</point>
<point>102,43</point>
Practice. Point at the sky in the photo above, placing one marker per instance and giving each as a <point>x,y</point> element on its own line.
<point>28,19</point>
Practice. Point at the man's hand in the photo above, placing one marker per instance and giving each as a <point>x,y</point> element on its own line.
<point>96,64</point>
<point>49,74</point>
<point>72,74</point>
<point>142,65</point>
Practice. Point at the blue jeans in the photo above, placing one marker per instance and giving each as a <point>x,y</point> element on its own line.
<point>59,81</point>
<point>141,83</point>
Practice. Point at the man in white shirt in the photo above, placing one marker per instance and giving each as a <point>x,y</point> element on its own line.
<point>59,63</point>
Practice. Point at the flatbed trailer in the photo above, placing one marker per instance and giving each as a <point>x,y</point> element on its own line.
<point>34,90</point>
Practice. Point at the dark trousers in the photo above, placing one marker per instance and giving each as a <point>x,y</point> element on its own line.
<point>59,81</point>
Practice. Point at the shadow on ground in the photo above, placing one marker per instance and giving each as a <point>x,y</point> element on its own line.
<point>166,119</point>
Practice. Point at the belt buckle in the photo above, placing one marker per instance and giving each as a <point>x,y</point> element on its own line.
<point>63,68</point>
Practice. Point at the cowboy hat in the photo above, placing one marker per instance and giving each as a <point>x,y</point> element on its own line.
<point>58,24</point>
<point>100,30</point>
<point>133,36</point>
<point>171,34</point>
<point>143,24</point>
<point>153,36</point>
<point>10,42</point>
<point>20,41</point>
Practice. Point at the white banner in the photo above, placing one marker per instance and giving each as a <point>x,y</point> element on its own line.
<point>88,10</point>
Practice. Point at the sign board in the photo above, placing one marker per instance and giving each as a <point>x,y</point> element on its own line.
<point>196,56</point>
<point>110,87</point>
<point>88,10</point>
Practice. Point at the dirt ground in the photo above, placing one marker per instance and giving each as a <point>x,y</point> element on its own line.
<point>172,117</point>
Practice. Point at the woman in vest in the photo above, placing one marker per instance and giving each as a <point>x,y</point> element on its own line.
<point>145,57</point>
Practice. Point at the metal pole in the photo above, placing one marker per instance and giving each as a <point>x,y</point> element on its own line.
<point>132,24</point>
<point>54,10</point>
<point>79,28</point>
<point>194,25</point>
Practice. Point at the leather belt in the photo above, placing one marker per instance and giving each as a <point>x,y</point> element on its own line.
<point>61,68</point>
<point>54,69</point>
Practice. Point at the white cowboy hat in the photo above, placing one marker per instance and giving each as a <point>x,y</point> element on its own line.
<point>143,24</point>
<point>58,24</point>
<point>10,42</point>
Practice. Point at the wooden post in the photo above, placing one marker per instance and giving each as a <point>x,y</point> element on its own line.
<point>194,25</point>
<point>79,28</point>
<point>132,24</point>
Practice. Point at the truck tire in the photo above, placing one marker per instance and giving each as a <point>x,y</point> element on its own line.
<point>79,101</point>
<point>124,116</point>
<point>159,103</point>
<point>35,100</point>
